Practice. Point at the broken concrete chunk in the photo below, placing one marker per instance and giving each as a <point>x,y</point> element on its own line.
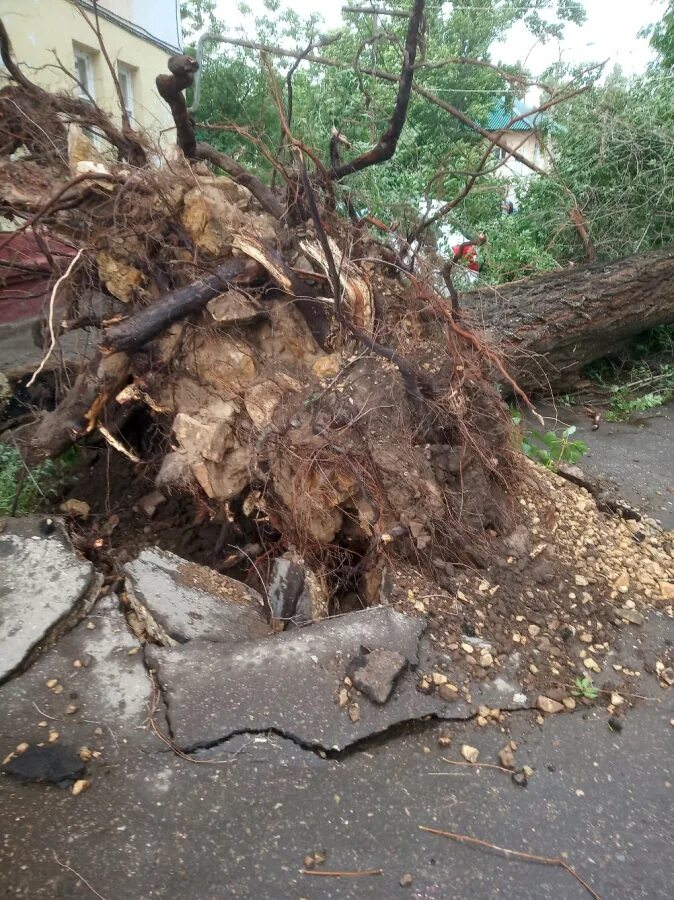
<point>44,587</point>
<point>180,601</point>
<point>52,763</point>
<point>213,691</point>
<point>295,594</point>
<point>376,672</point>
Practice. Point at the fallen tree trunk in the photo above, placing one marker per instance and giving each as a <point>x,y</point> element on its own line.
<point>550,327</point>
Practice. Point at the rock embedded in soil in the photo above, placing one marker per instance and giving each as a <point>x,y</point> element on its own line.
<point>375,673</point>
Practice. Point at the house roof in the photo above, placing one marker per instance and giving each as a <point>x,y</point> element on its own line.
<point>502,114</point>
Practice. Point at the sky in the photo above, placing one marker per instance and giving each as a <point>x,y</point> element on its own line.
<point>610,32</point>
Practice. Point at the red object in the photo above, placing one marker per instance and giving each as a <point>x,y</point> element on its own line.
<point>25,276</point>
<point>468,254</point>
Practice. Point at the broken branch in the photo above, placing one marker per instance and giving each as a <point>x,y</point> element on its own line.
<point>386,146</point>
<point>137,330</point>
<point>519,854</point>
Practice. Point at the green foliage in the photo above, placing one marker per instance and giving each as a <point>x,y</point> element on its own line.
<point>550,449</point>
<point>435,150</point>
<point>42,484</point>
<point>614,159</point>
<point>584,687</point>
<point>662,37</point>
<point>641,378</point>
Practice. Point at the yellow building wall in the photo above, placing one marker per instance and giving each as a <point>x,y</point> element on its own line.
<point>39,29</point>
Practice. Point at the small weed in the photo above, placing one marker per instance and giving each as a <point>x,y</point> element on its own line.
<point>551,449</point>
<point>584,687</point>
<point>41,486</point>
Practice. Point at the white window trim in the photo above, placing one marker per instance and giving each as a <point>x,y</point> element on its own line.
<point>90,88</point>
<point>129,74</point>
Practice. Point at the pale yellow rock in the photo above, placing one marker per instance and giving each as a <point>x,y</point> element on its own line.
<point>80,509</point>
<point>470,754</point>
<point>439,678</point>
<point>590,663</point>
<point>121,279</point>
<point>547,705</point>
<point>569,702</point>
<point>80,786</point>
<point>210,219</point>
<point>327,366</point>
<point>622,582</point>
<point>468,648</point>
<point>667,590</point>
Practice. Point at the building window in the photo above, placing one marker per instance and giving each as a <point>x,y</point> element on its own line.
<point>84,72</point>
<point>125,74</point>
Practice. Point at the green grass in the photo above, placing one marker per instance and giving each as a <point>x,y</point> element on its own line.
<point>42,484</point>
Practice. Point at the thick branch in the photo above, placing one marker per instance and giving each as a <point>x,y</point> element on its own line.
<point>171,89</point>
<point>134,332</point>
<point>386,146</point>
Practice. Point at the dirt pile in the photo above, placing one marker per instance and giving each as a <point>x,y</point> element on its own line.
<point>351,439</point>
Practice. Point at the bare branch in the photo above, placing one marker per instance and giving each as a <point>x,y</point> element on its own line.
<point>386,146</point>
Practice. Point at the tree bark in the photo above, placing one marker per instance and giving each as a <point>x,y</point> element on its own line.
<point>550,327</point>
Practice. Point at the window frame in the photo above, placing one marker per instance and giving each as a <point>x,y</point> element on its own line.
<point>85,91</point>
<point>126,74</point>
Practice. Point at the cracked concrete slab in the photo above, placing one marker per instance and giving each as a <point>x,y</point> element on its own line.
<point>290,684</point>
<point>91,688</point>
<point>43,585</point>
<point>184,601</point>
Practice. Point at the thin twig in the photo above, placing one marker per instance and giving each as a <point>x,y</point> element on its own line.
<point>330,874</point>
<point>477,765</point>
<point>52,301</point>
<point>117,445</point>
<point>519,854</point>
<point>81,877</point>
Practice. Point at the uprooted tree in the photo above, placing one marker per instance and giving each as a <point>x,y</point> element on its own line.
<point>303,367</point>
